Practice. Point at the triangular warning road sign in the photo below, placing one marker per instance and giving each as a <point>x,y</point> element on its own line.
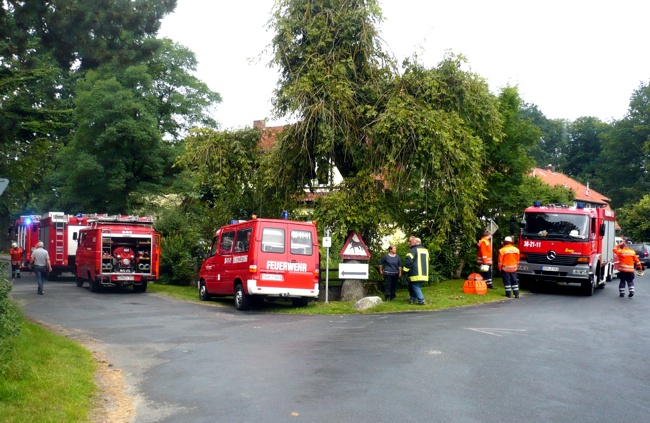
<point>354,248</point>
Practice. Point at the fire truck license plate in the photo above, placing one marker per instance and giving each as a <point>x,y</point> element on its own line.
<point>124,278</point>
<point>551,268</point>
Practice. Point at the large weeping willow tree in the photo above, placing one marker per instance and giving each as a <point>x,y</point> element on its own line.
<point>410,147</point>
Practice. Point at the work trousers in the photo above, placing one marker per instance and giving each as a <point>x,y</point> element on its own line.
<point>510,283</point>
<point>626,277</point>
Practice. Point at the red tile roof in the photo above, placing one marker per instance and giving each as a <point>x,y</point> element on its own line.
<point>583,193</point>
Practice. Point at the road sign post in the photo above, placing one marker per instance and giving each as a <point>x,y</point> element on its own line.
<point>327,243</point>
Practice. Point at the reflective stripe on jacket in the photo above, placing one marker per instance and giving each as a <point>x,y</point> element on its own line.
<point>509,258</point>
<point>416,265</point>
<point>484,251</point>
<point>627,259</point>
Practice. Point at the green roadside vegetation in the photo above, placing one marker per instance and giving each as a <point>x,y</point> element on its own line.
<point>440,295</point>
<point>45,378</point>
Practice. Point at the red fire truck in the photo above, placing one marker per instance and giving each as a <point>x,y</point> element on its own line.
<point>117,251</point>
<point>567,244</point>
<point>58,233</point>
<point>56,230</point>
<point>26,230</point>
<point>262,258</point>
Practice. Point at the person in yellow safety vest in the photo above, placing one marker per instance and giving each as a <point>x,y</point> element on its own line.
<point>484,259</point>
<point>627,259</point>
<point>508,265</point>
<point>416,267</point>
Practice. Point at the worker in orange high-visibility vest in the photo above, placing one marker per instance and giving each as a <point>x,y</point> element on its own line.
<point>627,259</point>
<point>508,265</point>
<point>484,259</point>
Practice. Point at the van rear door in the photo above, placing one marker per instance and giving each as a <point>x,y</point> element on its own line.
<point>288,256</point>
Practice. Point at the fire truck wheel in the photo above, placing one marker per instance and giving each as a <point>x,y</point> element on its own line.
<point>94,286</point>
<point>242,300</point>
<point>203,292</point>
<point>588,286</point>
<point>300,302</point>
<point>78,281</point>
<point>140,288</point>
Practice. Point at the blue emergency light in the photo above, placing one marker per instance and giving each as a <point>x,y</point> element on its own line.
<point>285,215</point>
<point>80,215</point>
<point>537,204</point>
<point>580,206</point>
<point>28,221</point>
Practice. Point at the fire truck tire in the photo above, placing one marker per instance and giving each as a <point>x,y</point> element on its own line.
<point>140,288</point>
<point>588,286</point>
<point>300,302</point>
<point>203,292</point>
<point>242,299</point>
<point>94,285</point>
<point>78,281</point>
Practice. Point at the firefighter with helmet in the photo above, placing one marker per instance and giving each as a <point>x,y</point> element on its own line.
<point>508,265</point>
<point>16,254</point>
<point>627,259</point>
<point>484,259</point>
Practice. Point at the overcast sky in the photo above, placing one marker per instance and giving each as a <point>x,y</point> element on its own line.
<point>572,58</point>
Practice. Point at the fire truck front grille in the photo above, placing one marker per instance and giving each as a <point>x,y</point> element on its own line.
<point>559,260</point>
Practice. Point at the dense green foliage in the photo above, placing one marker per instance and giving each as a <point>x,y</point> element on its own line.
<point>9,318</point>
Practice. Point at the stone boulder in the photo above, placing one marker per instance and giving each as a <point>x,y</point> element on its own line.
<point>367,302</point>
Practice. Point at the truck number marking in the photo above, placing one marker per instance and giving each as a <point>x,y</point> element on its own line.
<point>227,260</point>
<point>533,244</point>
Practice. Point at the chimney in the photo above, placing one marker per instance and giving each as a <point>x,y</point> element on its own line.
<point>550,167</point>
<point>587,191</point>
<point>259,124</point>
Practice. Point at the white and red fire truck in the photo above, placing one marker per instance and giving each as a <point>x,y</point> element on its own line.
<point>118,251</point>
<point>56,230</point>
<point>567,244</point>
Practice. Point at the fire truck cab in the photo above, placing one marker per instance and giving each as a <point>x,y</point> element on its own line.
<point>262,258</point>
<point>26,232</point>
<point>567,244</point>
<point>117,251</point>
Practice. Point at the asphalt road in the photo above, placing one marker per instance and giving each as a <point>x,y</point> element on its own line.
<point>546,357</point>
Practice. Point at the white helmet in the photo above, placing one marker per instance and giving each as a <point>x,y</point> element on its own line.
<point>507,239</point>
<point>639,272</point>
<point>14,245</point>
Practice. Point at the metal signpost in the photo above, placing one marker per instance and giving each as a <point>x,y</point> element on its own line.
<point>327,243</point>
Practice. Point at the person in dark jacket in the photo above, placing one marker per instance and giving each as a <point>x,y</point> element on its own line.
<point>391,270</point>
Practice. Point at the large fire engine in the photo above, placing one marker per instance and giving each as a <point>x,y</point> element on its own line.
<point>56,230</point>
<point>26,230</point>
<point>117,250</point>
<point>567,244</point>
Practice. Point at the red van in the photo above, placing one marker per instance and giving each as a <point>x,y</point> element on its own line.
<point>262,258</point>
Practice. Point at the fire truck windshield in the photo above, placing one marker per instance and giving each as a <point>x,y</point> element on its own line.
<point>570,227</point>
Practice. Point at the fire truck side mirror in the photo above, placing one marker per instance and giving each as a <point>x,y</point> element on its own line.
<point>602,229</point>
<point>74,236</point>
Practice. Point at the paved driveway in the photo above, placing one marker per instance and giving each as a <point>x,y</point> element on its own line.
<point>549,357</point>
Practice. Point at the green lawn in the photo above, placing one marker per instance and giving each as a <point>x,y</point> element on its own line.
<point>47,378</point>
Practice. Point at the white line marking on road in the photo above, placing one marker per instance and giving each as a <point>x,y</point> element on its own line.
<point>497,331</point>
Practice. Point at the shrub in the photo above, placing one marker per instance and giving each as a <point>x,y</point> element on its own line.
<point>10,319</point>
